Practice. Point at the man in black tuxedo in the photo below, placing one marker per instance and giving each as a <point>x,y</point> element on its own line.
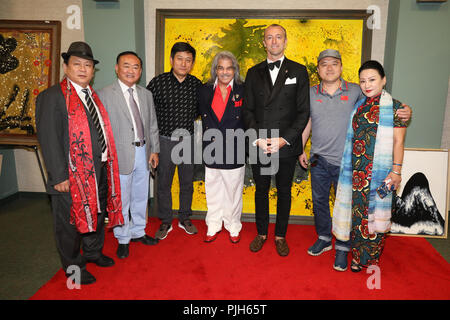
<point>276,99</point>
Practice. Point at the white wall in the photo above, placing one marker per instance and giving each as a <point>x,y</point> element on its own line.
<point>445,142</point>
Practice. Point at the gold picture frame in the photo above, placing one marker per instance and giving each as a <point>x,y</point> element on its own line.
<point>29,65</point>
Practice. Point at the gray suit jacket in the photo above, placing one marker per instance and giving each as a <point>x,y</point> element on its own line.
<point>122,123</point>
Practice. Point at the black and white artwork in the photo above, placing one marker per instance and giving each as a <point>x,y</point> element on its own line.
<point>421,204</point>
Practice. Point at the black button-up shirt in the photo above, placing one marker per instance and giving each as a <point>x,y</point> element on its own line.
<point>176,103</point>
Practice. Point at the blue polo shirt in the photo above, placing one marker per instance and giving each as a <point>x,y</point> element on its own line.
<point>330,117</point>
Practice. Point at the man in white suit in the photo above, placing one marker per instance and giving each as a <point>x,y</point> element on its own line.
<point>133,121</point>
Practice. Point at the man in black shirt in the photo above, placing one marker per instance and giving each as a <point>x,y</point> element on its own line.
<point>176,105</point>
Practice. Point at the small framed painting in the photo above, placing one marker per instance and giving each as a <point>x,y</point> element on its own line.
<point>421,205</point>
<point>29,56</point>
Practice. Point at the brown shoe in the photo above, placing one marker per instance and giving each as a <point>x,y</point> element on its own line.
<point>282,247</point>
<point>257,243</point>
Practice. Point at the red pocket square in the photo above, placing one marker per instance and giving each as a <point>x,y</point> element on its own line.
<point>344,98</point>
<point>238,103</point>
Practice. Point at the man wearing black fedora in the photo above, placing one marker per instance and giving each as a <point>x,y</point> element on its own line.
<point>81,161</point>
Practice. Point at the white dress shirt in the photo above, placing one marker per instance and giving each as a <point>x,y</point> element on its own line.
<point>274,72</point>
<point>81,95</point>
<point>126,94</point>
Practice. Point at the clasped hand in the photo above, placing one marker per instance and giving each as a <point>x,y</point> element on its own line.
<point>271,145</point>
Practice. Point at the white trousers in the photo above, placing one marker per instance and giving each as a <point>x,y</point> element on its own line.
<point>224,199</point>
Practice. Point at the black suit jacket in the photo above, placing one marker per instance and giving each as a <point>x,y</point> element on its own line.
<point>231,119</point>
<point>52,128</point>
<point>283,106</point>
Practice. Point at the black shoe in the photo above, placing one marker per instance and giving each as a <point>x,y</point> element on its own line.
<point>85,277</point>
<point>103,261</point>
<point>122,251</point>
<point>355,266</point>
<point>146,240</point>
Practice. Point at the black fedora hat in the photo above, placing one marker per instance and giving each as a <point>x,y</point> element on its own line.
<point>79,49</point>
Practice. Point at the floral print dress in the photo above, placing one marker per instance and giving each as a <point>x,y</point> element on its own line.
<point>366,248</point>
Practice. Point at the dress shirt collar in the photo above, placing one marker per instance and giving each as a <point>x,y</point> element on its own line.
<point>281,60</point>
<point>229,84</point>
<point>125,88</point>
<point>78,88</point>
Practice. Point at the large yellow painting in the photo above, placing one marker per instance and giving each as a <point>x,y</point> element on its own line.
<point>243,37</point>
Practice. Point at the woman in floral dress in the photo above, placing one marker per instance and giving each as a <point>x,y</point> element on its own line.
<point>374,154</point>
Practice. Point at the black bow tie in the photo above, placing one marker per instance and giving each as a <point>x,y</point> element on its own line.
<point>274,64</point>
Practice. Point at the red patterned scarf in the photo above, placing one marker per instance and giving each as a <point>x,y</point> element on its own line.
<point>82,179</point>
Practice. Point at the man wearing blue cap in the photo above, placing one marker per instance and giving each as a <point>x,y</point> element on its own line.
<point>332,102</point>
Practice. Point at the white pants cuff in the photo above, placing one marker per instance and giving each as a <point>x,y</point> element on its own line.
<point>223,189</point>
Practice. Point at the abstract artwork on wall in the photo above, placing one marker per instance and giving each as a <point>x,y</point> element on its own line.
<point>28,51</point>
<point>421,204</point>
<point>241,32</point>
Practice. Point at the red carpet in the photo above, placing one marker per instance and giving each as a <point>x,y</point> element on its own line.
<point>184,267</point>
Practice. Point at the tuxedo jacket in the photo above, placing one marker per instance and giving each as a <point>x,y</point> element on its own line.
<point>52,126</point>
<point>122,124</point>
<point>283,106</point>
<point>231,119</point>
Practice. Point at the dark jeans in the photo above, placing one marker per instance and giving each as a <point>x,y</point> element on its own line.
<point>166,171</point>
<point>68,240</point>
<point>283,180</point>
<point>323,175</point>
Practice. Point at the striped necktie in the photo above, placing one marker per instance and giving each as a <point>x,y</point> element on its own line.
<point>95,119</point>
<point>136,116</point>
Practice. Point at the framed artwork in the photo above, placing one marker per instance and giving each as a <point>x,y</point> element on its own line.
<point>242,32</point>
<point>29,51</point>
<point>421,204</point>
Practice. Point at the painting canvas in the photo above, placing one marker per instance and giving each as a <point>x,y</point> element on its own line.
<point>421,205</point>
<point>28,50</point>
<point>241,32</point>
